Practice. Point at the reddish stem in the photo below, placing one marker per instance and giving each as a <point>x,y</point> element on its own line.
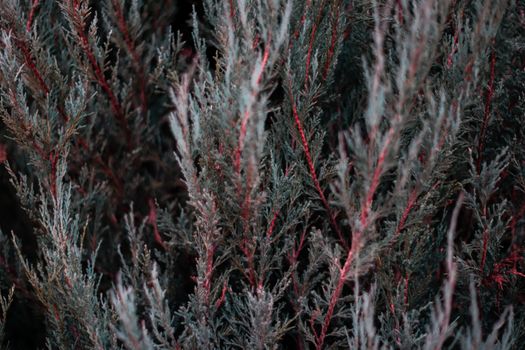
<point>454,48</point>
<point>311,43</point>
<point>29,62</point>
<point>375,179</point>
<point>343,272</point>
<point>301,23</point>
<point>247,113</point>
<point>311,169</point>
<point>117,182</point>
<point>275,213</point>
<point>292,258</point>
<point>123,27</point>
<point>222,298</point>
<point>486,114</point>
<point>484,249</point>
<point>411,202</point>
<point>53,160</point>
<point>152,219</point>
<point>272,224</point>
<point>515,218</point>
<point>26,129</point>
<point>331,49</point>
<point>232,9</point>
<point>407,280</point>
<point>210,251</point>
<point>356,238</point>
<point>249,254</point>
<point>31,16</point>
<point>242,136</point>
<point>309,54</point>
<point>264,62</point>
<point>3,153</point>
<point>399,11</point>
<point>99,74</point>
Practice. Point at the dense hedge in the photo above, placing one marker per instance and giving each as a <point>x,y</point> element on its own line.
<point>260,174</point>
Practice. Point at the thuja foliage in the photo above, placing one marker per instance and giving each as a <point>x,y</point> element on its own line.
<point>262,174</point>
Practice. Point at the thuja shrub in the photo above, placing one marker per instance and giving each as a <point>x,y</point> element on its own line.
<point>262,174</point>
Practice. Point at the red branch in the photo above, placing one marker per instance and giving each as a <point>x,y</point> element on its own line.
<point>301,22</point>
<point>247,113</point>
<point>311,169</point>
<point>99,74</point>
<point>311,43</point>
<point>504,268</point>
<point>30,63</point>
<point>356,238</point>
<point>399,11</point>
<point>309,54</point>
<point>292,258</point>
<point>27,129</point>
<point>410,204</point>
<point>454,48</point>
<point>222,298</point>
<point>484,252</point>
<point>242,136</point>
<point>106,169</point>
<point>272,224</point>
<point>333,42</point>
<point>248,251</point>
<point>375,179</point>
<point>123,27</point>
<point>275,213</point>
<point>210,252</point>
<point>56,313</point>
<point>515,218</point>
<point>3,153</point>
<point>407,280</point>
<point>263,63</point>
<point>53,160</point>
<point>486,115</point>
<point>249,255</point>
<point>152,219</point>
<point>29,22</point>
<point>343,272</point>
<point>232,9</point>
